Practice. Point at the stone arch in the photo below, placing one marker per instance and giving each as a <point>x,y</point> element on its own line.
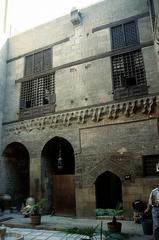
<point>110,165</point>
<point>108,190</point>
<point>58,169</point>
<point>103,166</point>
<point>16,165</point>
<point>47,138</point>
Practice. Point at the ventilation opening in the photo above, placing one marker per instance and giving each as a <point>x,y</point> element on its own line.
<point>131,81</point>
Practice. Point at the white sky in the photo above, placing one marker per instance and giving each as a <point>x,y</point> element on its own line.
<point>25,14</point>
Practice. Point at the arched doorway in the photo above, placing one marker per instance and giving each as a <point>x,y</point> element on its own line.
<point>17,166</point>
<point>58,168</point>
<point>108,190</point>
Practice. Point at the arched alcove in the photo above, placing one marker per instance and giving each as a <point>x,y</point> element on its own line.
<point>108,190</point>
<point>17,167</point>
<point>58,168</point>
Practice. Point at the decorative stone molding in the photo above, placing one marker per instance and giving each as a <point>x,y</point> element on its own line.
<point>75,17</point>
<point>95,114</point>
<point>110,163</point>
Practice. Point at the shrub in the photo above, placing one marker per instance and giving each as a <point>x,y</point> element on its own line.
<point>85,231</point>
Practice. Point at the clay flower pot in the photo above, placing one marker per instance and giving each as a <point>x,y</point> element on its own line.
<point>114,227</point>
<point>35,219</point>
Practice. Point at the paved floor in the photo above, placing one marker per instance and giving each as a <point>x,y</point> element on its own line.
<point>52,226</point>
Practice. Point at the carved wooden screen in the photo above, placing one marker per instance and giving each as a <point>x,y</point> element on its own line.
<point>117,37</point>
<point>47,63</point>
<point>38,62</point>
<point>128,73</point>
<point>151,165</point>
<point>124,35</point>
<point>130,33</point>
<point>38,91</point>
<point>29,65</point>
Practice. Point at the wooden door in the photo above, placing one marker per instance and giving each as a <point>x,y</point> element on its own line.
<point>64,194</point>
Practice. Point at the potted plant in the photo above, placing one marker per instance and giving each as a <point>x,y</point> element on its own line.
<point>114,225</point>
<point>36,211</point>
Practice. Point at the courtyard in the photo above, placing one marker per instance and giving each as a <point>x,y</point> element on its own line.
<point>79,117</point>
<point>52,227</point>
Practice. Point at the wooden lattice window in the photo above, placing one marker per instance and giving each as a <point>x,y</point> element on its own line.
<point>124,35</point>
<point>128,69</point>
<point>128,74</point>
<point>37,92</point>
<point>38,62</point>
<point>151,165</point>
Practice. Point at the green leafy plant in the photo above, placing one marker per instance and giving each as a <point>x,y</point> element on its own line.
<point>37,208</point>
<point>101,212</point>
<point>118,211</point>
<point>114,213</point>
<point>85,231</point>
<point>116,236</point>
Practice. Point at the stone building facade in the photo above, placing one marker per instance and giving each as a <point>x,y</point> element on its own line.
<point>80,120</point>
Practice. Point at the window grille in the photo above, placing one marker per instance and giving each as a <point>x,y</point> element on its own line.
<point>47,59</point>
<point>38,92</point>
<point>128,72</point>
<point>150,165</point>
<point>128,69</point>
<point>38,62</point>
<point>29,65</point>
<point>124,35</point>
<point>118,37</point>
<point>130,33</point>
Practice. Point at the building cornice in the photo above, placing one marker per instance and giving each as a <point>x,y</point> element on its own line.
<point>145,105</point>
<point>157,30</point>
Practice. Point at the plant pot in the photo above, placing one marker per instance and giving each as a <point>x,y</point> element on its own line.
<point>114,227</point>
<point>147,226</point>
<point>35,219</point>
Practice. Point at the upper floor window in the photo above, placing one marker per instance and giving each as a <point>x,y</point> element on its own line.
<point>37,96</point>
<point>38,62</point>
<point>151,165</point>
<point>128,75</point>
<point>124,35</point>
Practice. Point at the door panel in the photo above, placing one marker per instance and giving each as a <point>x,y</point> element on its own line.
<point>64,194</point>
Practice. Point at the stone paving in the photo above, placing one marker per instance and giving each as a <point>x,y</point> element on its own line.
<point>49,229</point>
<point>44,234</point>
<point>33,234</point>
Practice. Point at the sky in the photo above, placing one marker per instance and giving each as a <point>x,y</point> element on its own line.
<point>25,14</point>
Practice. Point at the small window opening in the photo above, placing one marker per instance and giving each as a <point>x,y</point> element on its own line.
<point>28,104</point>
<point>131,81</point>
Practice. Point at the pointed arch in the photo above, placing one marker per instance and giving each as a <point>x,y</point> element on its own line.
<point>17,168</point>
<point>108,189</point>
<point>58,165</point>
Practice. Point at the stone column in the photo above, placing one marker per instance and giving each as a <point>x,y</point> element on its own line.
<point>85,193</point>
<point>35,176</point>
<point>85,202</point>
